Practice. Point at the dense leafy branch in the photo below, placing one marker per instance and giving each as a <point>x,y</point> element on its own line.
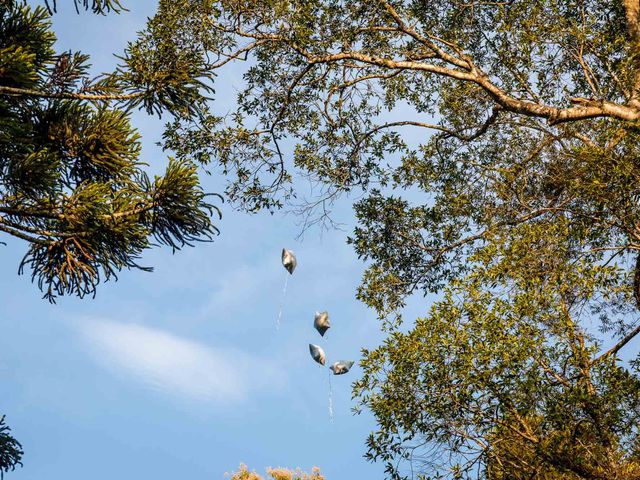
<point>71,182</point>
<point>68,95</point>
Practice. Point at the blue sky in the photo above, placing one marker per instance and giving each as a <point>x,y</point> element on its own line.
<point>181,373</point>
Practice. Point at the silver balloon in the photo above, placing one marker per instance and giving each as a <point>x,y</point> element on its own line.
<point>341,367</point>
<point>317,353</point>
<point>321,322</point>
<point>289,260</point>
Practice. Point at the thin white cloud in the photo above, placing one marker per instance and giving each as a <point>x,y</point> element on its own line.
<point>262,282</point>
<point>177,366</point>
<point>235,287</point>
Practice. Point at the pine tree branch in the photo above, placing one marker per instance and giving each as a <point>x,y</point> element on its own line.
<point>23,232</point>
<point>69,96</point>
<point>61,216</point>
<point>30,213</point>
<point>129,213</point>
<point>17,233</point>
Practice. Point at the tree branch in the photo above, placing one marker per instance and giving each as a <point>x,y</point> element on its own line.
<point>464,63</point>
<point>633,333</point>
<point>69,96</point>
<point>632,13</point>
<point>554,115</point>
<point>19,234</point>
<point>451,133</point>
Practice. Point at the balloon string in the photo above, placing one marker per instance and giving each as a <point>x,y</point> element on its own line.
<point>324,343</point>
<point>330,399</point>
<point>284,294</point>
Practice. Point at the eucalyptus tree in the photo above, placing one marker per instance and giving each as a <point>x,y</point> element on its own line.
<point>518,207</point>
<point>72,183</point>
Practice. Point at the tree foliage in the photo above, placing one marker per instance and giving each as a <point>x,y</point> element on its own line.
<point>97,6</point>
<point>518,207</point>
<point>243,473</point>
<point>10,449</point>
<point>72,183</point>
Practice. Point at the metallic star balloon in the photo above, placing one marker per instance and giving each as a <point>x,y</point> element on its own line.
<point>341,367</point>
<point>289,260</point>
<point>317,353</point>
<point>321,322</point>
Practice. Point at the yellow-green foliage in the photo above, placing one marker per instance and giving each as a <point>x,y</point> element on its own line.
<point>279,473</point>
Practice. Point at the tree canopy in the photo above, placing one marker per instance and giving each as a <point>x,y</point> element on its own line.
<point>72,183</point>
<point>518,208</point>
